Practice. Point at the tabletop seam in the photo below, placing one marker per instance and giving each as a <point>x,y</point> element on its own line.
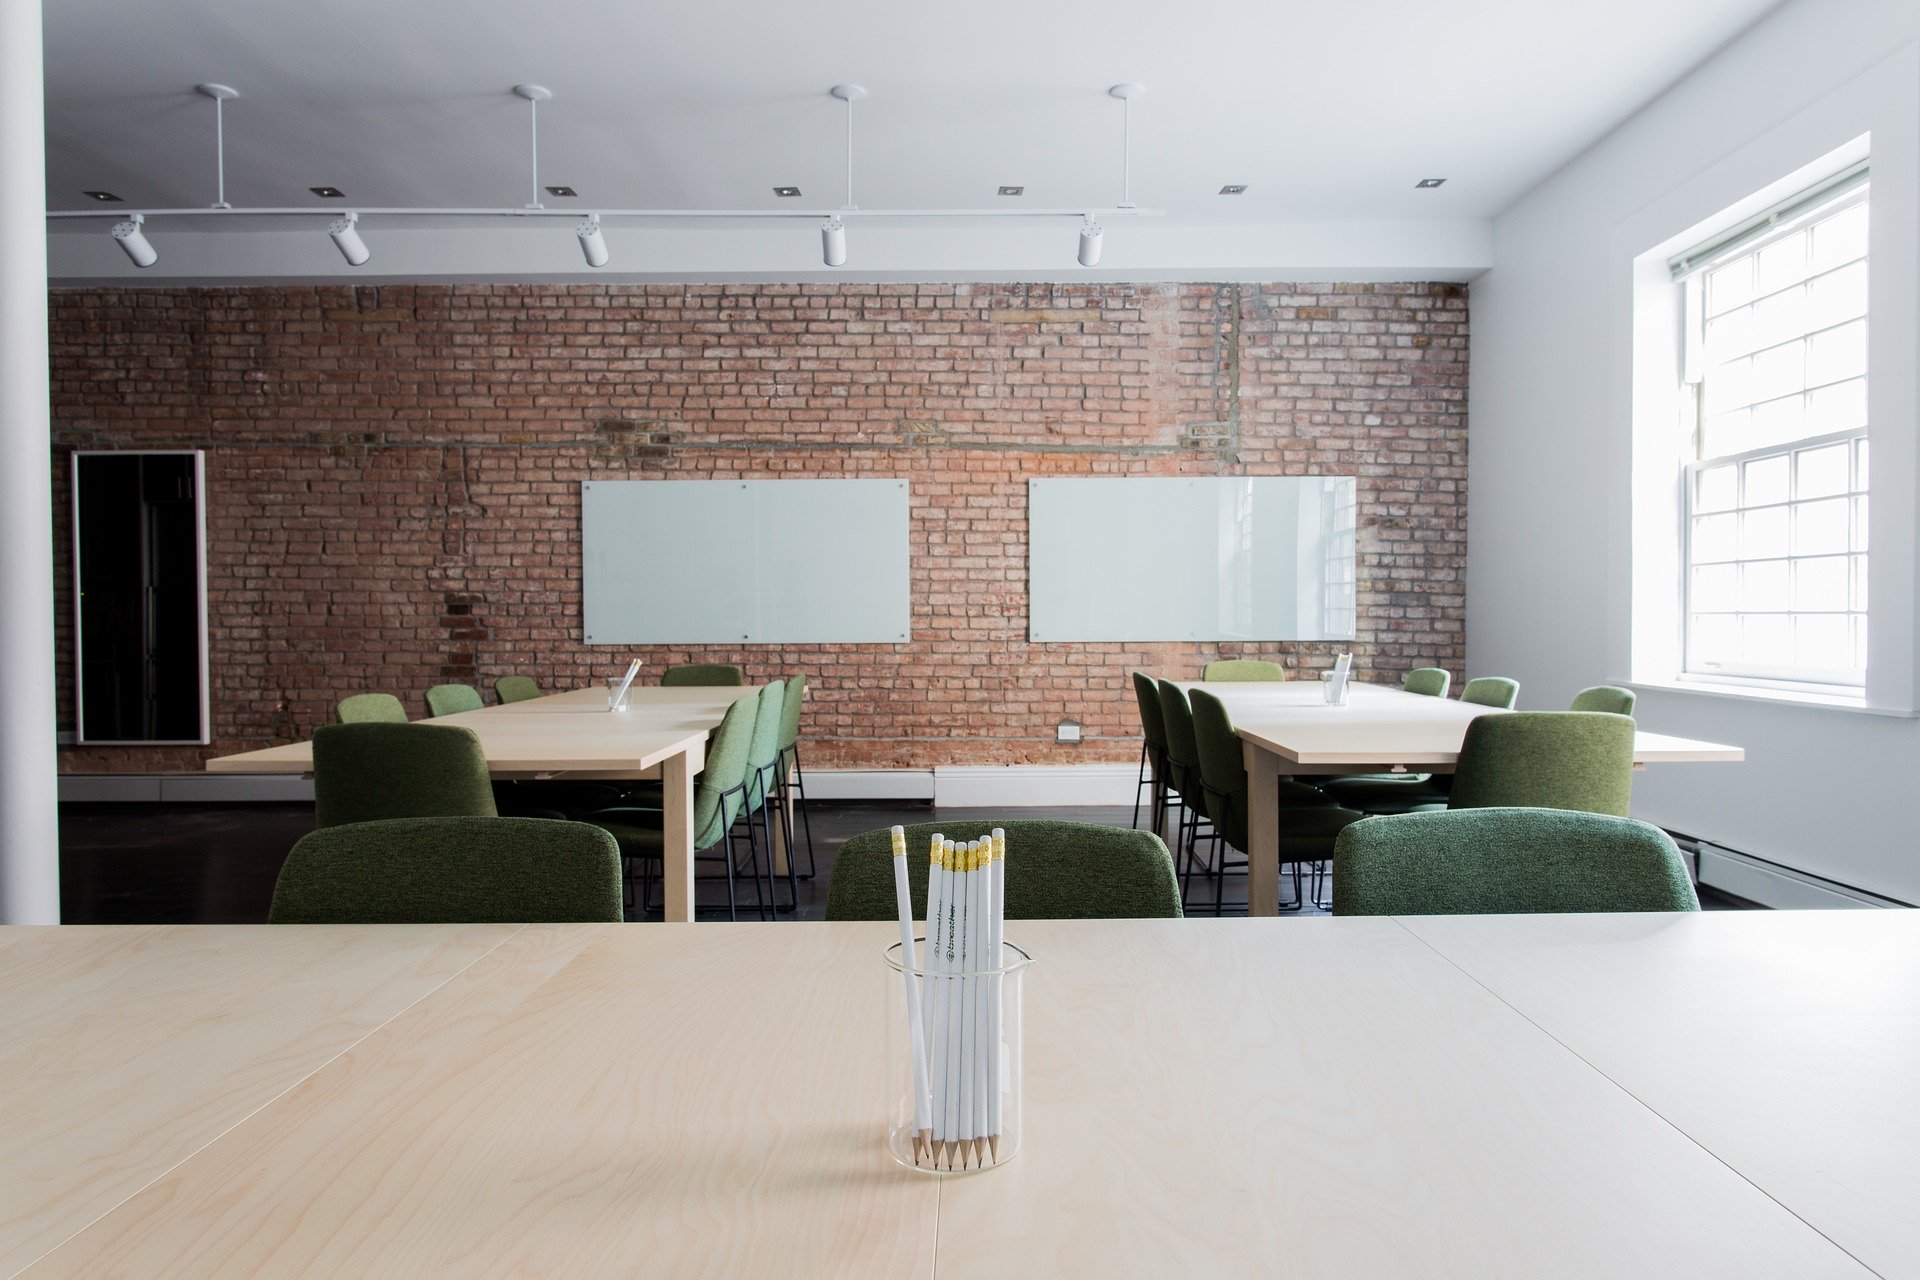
<point>1638,1100</point>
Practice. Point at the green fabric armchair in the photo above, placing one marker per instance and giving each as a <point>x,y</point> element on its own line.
<point>1580,760</point>
<point>1610,698</point>
<point>1492,691</point>
<point>1153,751</point>
<point>516,689</point>
<point>1428,682</point>
<point>372,708</point>
<point>451,699</point>
<point>450,871</point>
<point>699,673</point>
<point>1243,669</point>
<point>1506,862</point>
<point>1055,871</point>
<point>369,772</point>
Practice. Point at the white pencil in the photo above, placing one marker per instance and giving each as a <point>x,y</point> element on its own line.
<point>935,965</point>
<point>978,921</point>
<point>916,1033</point>
<point>956,965</point>
<point>996,938</point>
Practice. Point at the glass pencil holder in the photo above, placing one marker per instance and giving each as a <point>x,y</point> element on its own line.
<point>967,1049</point>
<point>617,690</point>
<point>1334,691</point>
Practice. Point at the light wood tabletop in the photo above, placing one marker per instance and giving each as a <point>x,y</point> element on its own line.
<point>662,734</point>
<point>1239,1097</point>
<point>1286,727</point>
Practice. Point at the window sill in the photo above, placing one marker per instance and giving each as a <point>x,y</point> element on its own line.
<point>1778,697</point>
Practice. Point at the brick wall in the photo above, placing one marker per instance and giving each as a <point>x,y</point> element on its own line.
<point>393,472</point>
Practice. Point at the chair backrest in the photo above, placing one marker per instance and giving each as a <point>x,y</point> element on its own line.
<point>763,745</point>
<point>720,792</point>
<point>1055,871</point>
<point>1243,669</point>
<point>1430,682</point>
<point>1153,722</point>
<point>1610,698</point>
<point>450,871</point>
<point>516,689</point>
<point>1183,752</point>
<point>702,673</point>
<point>450,699</point>
<point>1492,691</point>
<point>790,707</point>
<point>372,708</point>
<point>1506,862</point>
<point>1546,760</point>
<point>368,772</point>
<point>1223,769</point>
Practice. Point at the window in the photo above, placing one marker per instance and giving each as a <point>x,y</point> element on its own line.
<point>1774,411</point>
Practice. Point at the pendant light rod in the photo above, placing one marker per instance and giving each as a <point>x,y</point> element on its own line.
<point>535,95</point>
<point>220,94</point>
<point>849,94</point>
<point>1126,93</point>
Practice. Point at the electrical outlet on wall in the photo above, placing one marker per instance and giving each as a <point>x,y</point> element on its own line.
<point>1068,731</point>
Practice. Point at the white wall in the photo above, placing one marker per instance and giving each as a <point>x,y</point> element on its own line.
<point>1829,791</point>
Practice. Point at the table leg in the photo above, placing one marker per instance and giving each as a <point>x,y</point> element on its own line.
<point>1263,830</point>
<point>676,855</point>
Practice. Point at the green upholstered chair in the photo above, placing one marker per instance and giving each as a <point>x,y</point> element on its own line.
<point>1429,682</point>
<point>719,798</point>
<point>1183,770</point>
<point>1506,862</point>
<point>1492,691</point>
<point>1153,752</point>
<point>369,772</point>
<point>451,699</point>
<point>1308,822</point>
<point>763,763</point>
<point>702,673</point>
<point>1243,669</point>
<point>450,871</point>
<point>1055,871</point>
<point>372,708</point>
<point>1580,760</point>
<point>516,689</point>
<point>790,783</point>
<point>1610,698</point>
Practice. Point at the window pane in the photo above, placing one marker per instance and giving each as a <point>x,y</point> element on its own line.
<point>1821,586</point>
<point>1820,528</point>
<point>1766,481</point>
<point>1782,263</point>
<point>1822,640</point>
<point>1840,238</point>
<point>1716,538</point>
<point>1763,533</point>
<point>1715,639</point>
<point>1764,587</point>
<point>1766,640</point>
<point>1716,589</point>
<point>1837,354</point>
<point>1730,286</point>
<point>1859,584</point>
<point>1726,433</point>
<point>1837,408</point>
<point>1778,422</point>
<point>1834,298</point>
<point>1860,523</point>
<point>1820,473</point>
<point>1778,371</point>
<point>1860,465</point>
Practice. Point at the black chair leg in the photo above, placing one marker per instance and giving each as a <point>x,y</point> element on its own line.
<point>797,803</point>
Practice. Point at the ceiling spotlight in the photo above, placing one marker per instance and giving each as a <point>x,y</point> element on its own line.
<point>1013,191</point>
<point>134,241</point>
<point>328,193</point>
<point>1428,184</point>
<point>1234,189</point>
<point>105,197</point>
<point>346,235</point>
<point>562,191</point>
<point>787,193</point>
<point>592,243</point>
<point>1091,234</point>
<point>833,242</point>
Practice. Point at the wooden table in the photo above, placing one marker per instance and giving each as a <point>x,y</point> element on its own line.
<point>1712,1094</point>
<point>662,735</point>
<point>1287,728</point>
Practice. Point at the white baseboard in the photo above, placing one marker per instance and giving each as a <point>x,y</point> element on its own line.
<point>869,784</point>
<point>1772,885</point>
<point>1026,786</point>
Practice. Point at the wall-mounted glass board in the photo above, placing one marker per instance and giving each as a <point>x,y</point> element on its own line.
<point>140,597</point>
<point>1200,558</point>
<point>745,561</point>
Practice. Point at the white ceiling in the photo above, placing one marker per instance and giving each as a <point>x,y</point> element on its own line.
<point>1329,112</point>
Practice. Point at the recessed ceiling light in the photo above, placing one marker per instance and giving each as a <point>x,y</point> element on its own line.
<point>328,193</point>
<point>105,197</point>
<point>1013,191</point>
<point>786,193</point>
<point>1427,184</point>
<point>562,191</point>
<point>1234,189</point>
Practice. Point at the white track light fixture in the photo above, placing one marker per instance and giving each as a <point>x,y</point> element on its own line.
<point>833,232</point>
<point>129,237</point>
<point>592,243</point>
<point>833,242</point>
<point>1091,233</point>
<point>346,234</point>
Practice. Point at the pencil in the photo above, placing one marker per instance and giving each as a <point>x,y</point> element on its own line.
<point>916,1033</point>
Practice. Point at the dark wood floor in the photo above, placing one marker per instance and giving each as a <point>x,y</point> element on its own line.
<point>216,864</point>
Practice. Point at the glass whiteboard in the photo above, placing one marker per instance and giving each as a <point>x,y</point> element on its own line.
<point>1200,558</point>
<point>744,561</point>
